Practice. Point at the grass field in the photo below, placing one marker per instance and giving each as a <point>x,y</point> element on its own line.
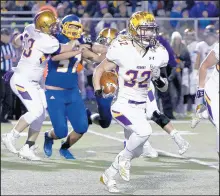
<point>195,173</point>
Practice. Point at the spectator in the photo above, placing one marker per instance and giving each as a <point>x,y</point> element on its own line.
<point>92,7</point>
<point>175,13</point>
<point>60,11</point>
<point>103,9</point>
<point>105,23</point>
<point>187,23</point>
<point>7,58</point>
<point>122,13</point>
<point>80,11</point>
<point>68,7</point>
<point>183,67</point>
<point>88,28</point>
<point>204,9</point>
<point>4,6</point>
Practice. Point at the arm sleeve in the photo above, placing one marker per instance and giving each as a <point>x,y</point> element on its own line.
<point>186,58</point>
<point>49,45</point>
<point>216,50</point>
<point>172,61</point>
<point>113,53</point>
<point>198,48</point>
<point>163,72</point>
<point>165,57</point>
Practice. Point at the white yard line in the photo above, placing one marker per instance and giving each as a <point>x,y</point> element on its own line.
<point>161,152</point>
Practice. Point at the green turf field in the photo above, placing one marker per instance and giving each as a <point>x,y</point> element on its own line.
<point>193,174</point>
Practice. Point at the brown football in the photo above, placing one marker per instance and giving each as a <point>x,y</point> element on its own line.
<point>109,82</point>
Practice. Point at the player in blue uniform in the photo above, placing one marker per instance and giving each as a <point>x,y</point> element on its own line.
<point>104,39</point>
<point>62,92</point>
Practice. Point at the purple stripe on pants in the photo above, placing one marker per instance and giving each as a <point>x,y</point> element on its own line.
<point>25,95</point>
<point>209,107</point>
<point>209,110</point>
<point>19,86</point>
<point>124,120</point>
<point>150,95</point>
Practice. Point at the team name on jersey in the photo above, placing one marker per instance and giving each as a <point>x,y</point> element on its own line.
<point>141,67</point>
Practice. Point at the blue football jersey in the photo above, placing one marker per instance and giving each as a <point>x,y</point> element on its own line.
<point>63,73</point>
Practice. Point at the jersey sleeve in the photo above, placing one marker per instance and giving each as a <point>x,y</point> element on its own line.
<point>198,48</point>
<point>216,51</point>
<point>49,45</point>
<point>164,56</point>
<point>113,52</point>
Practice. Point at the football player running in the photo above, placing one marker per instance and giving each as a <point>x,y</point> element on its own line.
<point>135,72</point>
<point>209,90</point>
<point>104,117</point>
<point>26,82</point>
<point>202,50</point>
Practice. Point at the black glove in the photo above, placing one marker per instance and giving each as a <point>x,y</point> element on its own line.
<point>98,93</point>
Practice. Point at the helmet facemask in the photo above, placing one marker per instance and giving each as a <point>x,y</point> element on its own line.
<point>72,30</point>
<point>106,41</point>
<point>146,35</point>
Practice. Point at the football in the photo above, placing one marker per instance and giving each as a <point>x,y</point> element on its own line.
<point>109,82</point>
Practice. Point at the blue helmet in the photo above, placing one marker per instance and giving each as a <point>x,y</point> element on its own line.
<point>71,26</point>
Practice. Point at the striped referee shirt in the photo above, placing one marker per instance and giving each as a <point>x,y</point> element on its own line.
<point>6,49</point>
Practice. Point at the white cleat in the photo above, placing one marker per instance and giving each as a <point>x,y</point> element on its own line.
<point>9,141</point>
<point>124,165</point>
<point>182,144</point>
<point>109,183</point>
<point>28,153</point>
<point>195,121</point>
<point>149,151</point>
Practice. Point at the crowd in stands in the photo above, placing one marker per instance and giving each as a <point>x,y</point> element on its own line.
<point>103,13</point>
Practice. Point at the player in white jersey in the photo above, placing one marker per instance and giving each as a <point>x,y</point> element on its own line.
<point>209,90</point>
<point>26,81</point>
<point>191,42</point>
<point>202,50</point>
<point>104,39</point>
<point>136,57</point>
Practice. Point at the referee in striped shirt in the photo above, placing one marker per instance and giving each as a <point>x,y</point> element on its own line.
<point>7,59</point>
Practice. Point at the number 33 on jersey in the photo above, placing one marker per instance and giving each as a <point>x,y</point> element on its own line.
<point>134,68</point>
<point>36,48</point>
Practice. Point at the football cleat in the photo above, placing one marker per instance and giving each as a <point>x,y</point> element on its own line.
<point>48,143</point>
<point>66,154</point>
<point>195,121</point>
<point>149,151</point>
<point>182,144</point>
<point>124,165</point>
<point>109,183</point>
<point>9,142</point>
<point>28,153</point>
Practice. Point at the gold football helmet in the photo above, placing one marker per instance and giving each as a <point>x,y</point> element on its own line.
<point>106,36</point>
<point>189,35</point>
<point>45,21</point>
<point>143,29</point>
<point>72,26</point>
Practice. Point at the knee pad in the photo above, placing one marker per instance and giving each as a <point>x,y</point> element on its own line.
<point>82,128</point>
<point>61,131</point>
<point>34,114</point>
<point>144,132</point>
<point>160,119</point>
<point>37,124</point>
